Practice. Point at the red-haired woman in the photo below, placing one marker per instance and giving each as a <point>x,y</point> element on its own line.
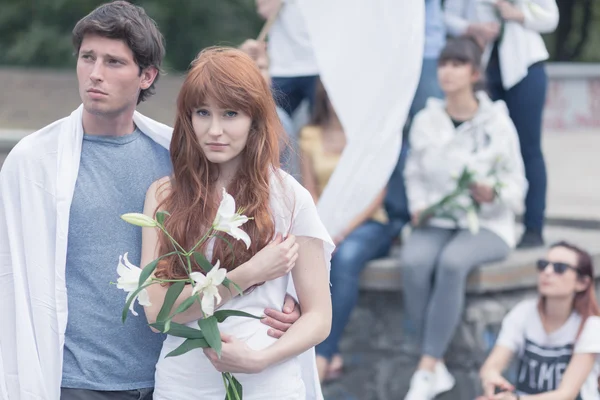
<point>227,136</point>
<point>555,338</point>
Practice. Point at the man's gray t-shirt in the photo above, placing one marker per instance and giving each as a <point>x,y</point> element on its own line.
<point>102,353</point>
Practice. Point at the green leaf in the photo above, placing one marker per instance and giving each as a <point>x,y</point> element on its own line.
<point>211,333</point>
<point>179,330</point>
<point>130,299</point>
<point>234,387</point>
<point>185,305</point>
<point>170,298</point>
<point>188,345</point>
<point>228,283</point>
<point>160,217</point>
<point>149,269</point>
<point>222,315</point>
<point>202,262</point>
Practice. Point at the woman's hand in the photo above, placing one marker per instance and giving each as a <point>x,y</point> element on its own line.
<point>484,32</point>
<point>509,11</point>
<point>275,260</point>
<point>415,218</point>
<point>504,396</point>
<point>493,381</point>
<point>482,193</point>
<point>236,357</point>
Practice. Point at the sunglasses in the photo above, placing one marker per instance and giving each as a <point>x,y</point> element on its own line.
<point>559,267</point>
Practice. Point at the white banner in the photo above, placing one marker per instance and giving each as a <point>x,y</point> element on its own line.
<point>369,54</point>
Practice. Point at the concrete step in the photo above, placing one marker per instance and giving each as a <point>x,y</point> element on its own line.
<point>517,271</point>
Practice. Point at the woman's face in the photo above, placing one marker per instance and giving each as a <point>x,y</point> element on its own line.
<point>222,133</point>
<point>455,76</point>
<point>562,283</point>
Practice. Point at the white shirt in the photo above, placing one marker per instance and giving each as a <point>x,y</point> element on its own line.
<point>521,45</point>
<point>290,50</point>
<point>294,211</point>
<point>543,357</point>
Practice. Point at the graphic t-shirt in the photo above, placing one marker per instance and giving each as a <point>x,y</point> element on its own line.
<point>543,357</point>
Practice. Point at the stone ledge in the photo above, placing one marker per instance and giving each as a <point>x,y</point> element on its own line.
<point>516,272</point>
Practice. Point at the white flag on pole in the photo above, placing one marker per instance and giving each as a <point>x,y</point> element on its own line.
<point>369,54</point>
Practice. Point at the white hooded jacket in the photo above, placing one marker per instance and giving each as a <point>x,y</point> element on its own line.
<point>439,152</point>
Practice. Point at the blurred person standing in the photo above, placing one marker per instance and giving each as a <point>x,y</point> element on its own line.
<point>510,32</point>
<point>257,50</point>
<point>293,67</point>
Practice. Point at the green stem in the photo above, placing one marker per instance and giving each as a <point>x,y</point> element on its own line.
<point>173,241</point>
<point>189,264</point>
<point>235,392</point>
<point>200,241</point>
<point>170,280</point>
<point>225,382</point>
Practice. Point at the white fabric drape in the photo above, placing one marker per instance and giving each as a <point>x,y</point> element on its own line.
<point>369,55</point>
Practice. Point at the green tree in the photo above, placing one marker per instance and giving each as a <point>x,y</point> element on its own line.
<point>38,32</point>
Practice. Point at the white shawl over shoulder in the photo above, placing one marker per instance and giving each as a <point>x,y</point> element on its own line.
<point>37,182</point>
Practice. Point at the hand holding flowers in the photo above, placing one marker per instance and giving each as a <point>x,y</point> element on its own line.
<point>273,261</point>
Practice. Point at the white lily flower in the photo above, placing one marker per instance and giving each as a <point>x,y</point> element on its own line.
<point>208,286</point>
<point>228,221</point>
<point>129,276</point>
<point>139,220</point>
<point>472,221</point>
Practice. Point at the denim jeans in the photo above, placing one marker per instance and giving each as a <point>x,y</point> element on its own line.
<point>369,241</point>
<point>84,394</point>
<point>290,92</point>
<point>525,102</point>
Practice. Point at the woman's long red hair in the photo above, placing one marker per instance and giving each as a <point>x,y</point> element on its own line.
<point>231,79</point>
<point>585,302</point>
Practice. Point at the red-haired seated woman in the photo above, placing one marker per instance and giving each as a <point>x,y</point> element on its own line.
<point>555,338</point>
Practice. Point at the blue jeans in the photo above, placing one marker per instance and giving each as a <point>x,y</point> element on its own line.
<point>369,241</point>
<point>290,92</point>
<point>84,394</point>
<point>525,102</point>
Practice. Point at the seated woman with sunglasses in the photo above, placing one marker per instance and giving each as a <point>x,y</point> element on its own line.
<point>555,338</point>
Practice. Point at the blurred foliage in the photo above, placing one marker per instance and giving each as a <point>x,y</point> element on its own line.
<point>38,32</point>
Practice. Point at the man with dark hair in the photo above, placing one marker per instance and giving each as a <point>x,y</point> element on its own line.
<point>62,190</point>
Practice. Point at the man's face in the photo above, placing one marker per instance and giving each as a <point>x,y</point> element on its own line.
<point>109,79</point>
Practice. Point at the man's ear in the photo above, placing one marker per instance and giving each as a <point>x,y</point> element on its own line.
<point>148,76</point>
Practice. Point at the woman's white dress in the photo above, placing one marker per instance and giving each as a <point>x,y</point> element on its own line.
<point>192,376</point>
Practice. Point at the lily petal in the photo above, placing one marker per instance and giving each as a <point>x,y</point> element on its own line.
<point>217,276</point>
<point>239,234</point>
<point>208,304</point>
<point>144,298</point>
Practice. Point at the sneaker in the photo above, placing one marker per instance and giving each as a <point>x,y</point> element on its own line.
<point>530,240</point>
<point>444,381</point>
<point>422,386</point>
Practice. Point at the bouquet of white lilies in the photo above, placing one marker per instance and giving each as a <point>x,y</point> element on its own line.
<point>135,280</point>
<point>460,202</point>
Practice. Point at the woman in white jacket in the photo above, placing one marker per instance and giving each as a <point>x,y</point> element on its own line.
<point>465,130</point>
<point>514,55</point>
